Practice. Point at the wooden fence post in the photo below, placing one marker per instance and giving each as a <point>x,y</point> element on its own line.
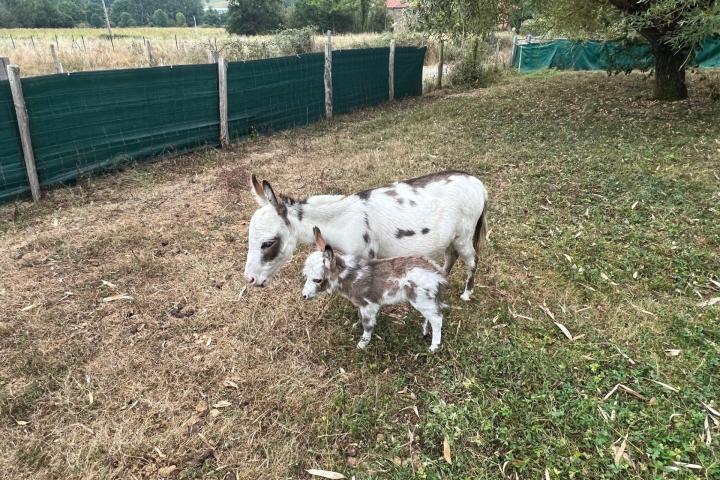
<point>391,72</point>
<point>211,56</point>
<point>56,60</point>
<point>223,92</point>
<point>149,54</point>
<point>4,62</point>
<point>13,72</point>
<point>440,63</point>
<point>328,76</point>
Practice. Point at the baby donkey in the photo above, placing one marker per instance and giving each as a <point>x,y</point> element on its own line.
<point>371,284</point>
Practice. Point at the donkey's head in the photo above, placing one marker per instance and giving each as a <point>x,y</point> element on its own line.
<point>319,268</point>
<point>271,241</point>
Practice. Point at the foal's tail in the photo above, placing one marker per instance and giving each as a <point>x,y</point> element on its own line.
<point>481,229</point>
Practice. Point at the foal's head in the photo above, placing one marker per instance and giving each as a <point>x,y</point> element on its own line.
<point>320,268</point>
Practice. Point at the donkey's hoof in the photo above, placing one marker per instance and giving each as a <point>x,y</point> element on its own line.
<point>362,344</point>
<point>434,348</point>
<point>466,296</point>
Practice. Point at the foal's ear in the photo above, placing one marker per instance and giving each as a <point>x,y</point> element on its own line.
<point>256,189</point>
<point>319,240</point>
<point>328,257</point>
<point>272,200</point>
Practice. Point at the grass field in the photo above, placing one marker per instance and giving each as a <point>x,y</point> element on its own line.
<point>83,49</point>
<point>130,347</point>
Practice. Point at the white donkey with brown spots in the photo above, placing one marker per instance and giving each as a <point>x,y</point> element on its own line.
<point>431,216</point>
<point>371,284</point>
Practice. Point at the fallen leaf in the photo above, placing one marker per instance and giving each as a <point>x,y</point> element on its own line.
<point>446,451</point>
<point>672,352</point>
<point>21,422</point>
<point>214,412</point>
<point>114,298</point>
<point>222,404</point>
<point>165,471</point>
<point>108,284</point>
<point>711,410</point>
<point>326,474</point>
<point>29,307</point>
<point>625,389</point>
<point>201,406</point>
<point>230,383</point>
<point>564,329</point>
<point>691,466</point>
<point>709,303</point>
<point>620,451</point>
<point>665,385</point>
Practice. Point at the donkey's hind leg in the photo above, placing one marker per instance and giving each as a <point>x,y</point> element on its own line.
<point>450,258</point>
<point>467,253</point>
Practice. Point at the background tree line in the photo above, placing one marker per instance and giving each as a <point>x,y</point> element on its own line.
<point>249,17</point>
<point>123,13</point>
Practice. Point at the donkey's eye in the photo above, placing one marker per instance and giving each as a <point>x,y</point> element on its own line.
<point>267,244</point>
<point>317,280</point>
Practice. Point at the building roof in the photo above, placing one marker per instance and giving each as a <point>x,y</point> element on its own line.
<point>393,4</point>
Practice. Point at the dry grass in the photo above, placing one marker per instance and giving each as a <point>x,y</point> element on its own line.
<point>123,389</point>
<point>84,49</point>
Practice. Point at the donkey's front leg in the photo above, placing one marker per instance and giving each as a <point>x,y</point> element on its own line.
<point>368,314</point>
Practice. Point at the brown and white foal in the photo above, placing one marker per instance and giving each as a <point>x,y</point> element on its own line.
<point>371,284</point>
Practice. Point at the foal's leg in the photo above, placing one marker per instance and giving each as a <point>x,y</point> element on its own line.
<point>368,314</point>
<point>467,253</point>
<point>429,308</point>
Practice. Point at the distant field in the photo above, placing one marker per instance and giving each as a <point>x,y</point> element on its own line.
<point>218,3</point>
<point>83,49</point>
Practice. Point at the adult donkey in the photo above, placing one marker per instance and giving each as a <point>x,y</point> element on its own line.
<point>438,214</point>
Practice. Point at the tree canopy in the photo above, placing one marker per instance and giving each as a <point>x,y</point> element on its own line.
<point>673,28</point>
<point>251,17</point>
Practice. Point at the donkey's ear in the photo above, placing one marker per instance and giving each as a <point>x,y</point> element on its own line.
<point>319,240</point>
<point>256,189</point>
<point>328,257</point>
<point>272,199</point>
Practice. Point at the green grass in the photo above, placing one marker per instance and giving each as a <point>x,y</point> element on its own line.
<point>605,214</point>
<point>576,165</point>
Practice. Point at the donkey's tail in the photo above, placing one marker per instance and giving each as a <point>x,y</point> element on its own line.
<point>481,229</point>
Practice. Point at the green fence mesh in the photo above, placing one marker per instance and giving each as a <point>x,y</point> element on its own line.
<point>13,180</point>
<point>89,121</point>
<point>590,55</point>
<point>360,78</point>
<point>266,95</point>
<point>409,63</point>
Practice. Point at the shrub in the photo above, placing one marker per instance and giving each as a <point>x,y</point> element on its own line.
<point>293,41</point>
<point>475,68</point>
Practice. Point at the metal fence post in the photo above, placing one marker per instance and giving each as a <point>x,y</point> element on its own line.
<point>13,72</point>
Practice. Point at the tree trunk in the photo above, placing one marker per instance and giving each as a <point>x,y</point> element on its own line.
<point>669,72</point>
